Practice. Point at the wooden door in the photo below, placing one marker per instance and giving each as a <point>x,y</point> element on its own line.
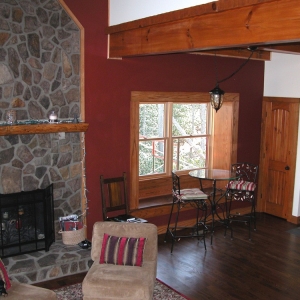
<point>280,118</point>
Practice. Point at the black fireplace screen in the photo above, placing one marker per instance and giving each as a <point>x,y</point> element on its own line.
<point>27,222</point>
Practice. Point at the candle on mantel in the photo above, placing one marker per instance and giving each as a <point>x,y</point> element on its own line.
<point>53,117</point>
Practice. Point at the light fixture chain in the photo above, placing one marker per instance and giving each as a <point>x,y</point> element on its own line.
<point>240,67</point>
<point>216,69</point>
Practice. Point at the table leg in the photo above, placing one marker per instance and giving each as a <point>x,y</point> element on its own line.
<point>213,211</point>
<point>214,205</point>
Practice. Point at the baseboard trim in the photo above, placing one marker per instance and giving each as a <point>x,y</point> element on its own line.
<point>294,220</point>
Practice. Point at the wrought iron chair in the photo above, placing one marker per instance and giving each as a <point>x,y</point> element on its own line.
<point>242,189</point>
<point>114,198</point>
<point>196,199</point>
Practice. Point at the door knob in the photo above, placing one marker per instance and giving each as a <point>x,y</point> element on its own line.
<point>287,168</point>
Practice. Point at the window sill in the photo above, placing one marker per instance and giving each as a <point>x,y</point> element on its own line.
<point>155,201</point>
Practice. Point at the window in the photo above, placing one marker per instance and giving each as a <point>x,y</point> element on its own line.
<point>209,142</point>
<point>173,136</point>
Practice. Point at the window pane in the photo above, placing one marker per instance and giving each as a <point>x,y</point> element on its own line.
<point>151,157</point>
<point>189,153</point>
<point>189,119</point>
<point>151,120</point>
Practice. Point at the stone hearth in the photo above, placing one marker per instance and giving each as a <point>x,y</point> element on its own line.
<point>61,260</point>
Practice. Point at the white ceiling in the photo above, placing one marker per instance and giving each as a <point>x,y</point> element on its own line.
<point>121,11</point>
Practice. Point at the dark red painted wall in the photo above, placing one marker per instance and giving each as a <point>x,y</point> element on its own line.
<point>108,84</point>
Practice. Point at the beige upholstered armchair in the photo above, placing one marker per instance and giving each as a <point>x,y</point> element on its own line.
<point>116,272</point>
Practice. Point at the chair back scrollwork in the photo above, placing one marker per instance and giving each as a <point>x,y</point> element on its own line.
<point>176,183</point>
<point>245,171</point>
<point>244,186</point>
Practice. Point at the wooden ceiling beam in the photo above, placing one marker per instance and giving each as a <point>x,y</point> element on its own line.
<point>261,53</point>
<point>284,48</point>
<point>238,53</point>
<point>218,25</point>
<point>176,15</point>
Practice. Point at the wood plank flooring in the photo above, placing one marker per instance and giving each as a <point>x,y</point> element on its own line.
<point>268,267</point>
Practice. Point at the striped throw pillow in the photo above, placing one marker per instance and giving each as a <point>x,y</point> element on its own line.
<point>122,250</point>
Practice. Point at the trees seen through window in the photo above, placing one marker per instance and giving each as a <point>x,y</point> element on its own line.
<point>173,136</point>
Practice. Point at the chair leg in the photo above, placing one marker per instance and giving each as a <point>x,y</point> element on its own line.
<point>174,233</point>
<point>204,227</point>
<point>228,210</point>
<point>202,222</point>
<point>252,217</point>
<point>170,217</point>
<point>212,221</point>
<point>172,230</point>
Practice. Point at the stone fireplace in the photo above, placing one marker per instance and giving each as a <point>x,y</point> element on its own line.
<point>26,220</point>
<point>40,72</point>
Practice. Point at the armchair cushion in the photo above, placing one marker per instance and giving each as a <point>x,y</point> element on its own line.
<point>122,250</point>
<point>109,281</point>
<point>16,290</point>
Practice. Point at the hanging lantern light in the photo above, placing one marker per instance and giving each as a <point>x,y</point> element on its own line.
<point>216,97</point>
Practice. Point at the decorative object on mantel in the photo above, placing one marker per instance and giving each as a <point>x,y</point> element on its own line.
<point>53,117</point>
<point>52,120</point>
<point>11,117</point>
<point>217,94</point>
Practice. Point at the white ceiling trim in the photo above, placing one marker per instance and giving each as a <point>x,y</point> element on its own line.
<point>121,11</point>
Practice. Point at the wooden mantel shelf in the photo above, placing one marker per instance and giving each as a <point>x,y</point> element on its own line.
<point>43,128</point>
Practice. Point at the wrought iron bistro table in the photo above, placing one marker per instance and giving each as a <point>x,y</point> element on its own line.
<point>215,175</point>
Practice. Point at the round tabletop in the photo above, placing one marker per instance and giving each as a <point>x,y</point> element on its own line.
<point>213,174</point>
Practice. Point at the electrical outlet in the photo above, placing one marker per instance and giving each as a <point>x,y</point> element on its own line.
<point>61,135</point>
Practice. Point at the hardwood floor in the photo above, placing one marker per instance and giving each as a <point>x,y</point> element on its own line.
<point>268,267</point>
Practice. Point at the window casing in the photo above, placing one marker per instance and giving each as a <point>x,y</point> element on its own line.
<point>222,147</point>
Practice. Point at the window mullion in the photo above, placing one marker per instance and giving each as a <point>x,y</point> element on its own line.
<point>169,139</point>
<point>210,130</point>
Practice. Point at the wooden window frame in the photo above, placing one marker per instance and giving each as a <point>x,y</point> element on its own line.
<point>224,133</point>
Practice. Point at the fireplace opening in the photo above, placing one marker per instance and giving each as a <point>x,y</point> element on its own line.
<point>27,222</point>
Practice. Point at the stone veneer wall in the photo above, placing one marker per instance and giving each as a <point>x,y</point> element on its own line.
<point>40,72</point>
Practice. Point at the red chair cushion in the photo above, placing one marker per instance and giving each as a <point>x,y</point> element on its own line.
<point>241,185</point>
